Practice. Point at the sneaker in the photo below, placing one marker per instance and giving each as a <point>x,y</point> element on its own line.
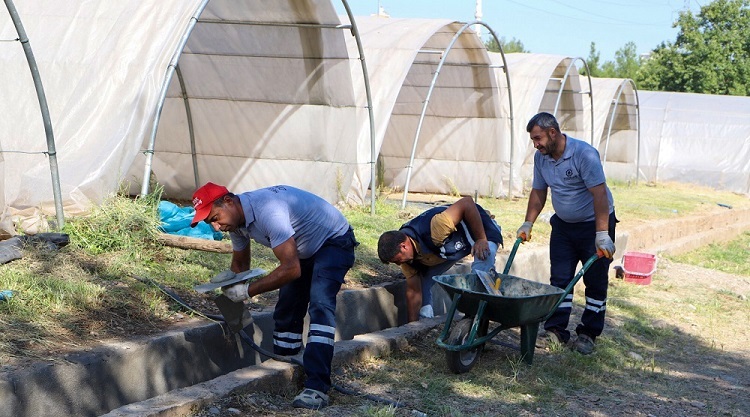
<point>550,339</point>
<point>426,312</point>
<point>584,344</point>
<point>310,398</point>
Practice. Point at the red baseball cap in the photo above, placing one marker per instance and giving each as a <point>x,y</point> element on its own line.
<point>204,198</point>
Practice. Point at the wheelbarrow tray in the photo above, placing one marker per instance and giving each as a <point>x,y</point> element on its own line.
<point>523,301</point>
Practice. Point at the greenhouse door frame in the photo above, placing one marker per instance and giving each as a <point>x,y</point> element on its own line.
<point>590,92</point>
<point>616,101</point>
<point>173,67</point>
<point>429,94</point>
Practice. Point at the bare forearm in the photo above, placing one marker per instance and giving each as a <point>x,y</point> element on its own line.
<point>413,298</point>
<point>241,260</point>
<point>537,199</point>
<point>601,208</point>
<point>279,277</point>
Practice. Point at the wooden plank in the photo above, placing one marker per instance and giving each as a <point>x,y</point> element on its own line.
<point>186,242</point>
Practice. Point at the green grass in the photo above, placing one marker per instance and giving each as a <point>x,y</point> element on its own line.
<point>732,257</point>
<point>91,287</point>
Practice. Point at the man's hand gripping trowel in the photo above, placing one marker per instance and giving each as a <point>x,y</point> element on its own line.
<point>235,314</point>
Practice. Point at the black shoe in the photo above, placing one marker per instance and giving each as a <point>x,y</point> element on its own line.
<point>584,344</point>
<point>550,340</point>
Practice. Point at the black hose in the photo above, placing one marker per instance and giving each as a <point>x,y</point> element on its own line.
<point>287,359</point>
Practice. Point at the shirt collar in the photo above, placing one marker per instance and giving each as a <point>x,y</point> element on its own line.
<point>247,208</point>
<point>417,249</point>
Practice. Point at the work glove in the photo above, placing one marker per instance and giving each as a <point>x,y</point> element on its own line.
<point>524,232</point>
<point>237,292</point>
<point>604,244</point>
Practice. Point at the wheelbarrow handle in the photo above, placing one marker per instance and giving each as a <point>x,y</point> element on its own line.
<point>573,282</point>
<point>511,256</point>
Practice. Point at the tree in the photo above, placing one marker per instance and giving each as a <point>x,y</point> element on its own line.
<point>509,47</point>
<point>711,53</point>
<point>593,62</point>
<point>625,65</point>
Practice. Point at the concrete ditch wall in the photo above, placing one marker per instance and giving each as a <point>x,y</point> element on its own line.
<point>95,383</point>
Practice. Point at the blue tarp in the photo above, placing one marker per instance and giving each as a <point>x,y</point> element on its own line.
<point>175,220</point>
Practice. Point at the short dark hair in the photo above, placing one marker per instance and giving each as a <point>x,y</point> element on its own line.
<point>543,120</point>
<point>389,245</point>
<point>219,202</point>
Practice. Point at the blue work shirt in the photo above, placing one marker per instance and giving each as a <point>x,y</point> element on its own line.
<point>569,178</point>
<point>274,214</point>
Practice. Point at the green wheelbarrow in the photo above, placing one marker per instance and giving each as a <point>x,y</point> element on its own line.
<point>520,303</point>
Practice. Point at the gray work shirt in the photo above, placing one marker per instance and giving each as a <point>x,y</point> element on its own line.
<point>274,214</point>
<point>569,178</point>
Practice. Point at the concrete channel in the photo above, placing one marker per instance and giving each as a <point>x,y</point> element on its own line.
<point>181,370</point>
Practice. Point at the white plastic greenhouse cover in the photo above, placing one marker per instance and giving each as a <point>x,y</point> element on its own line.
<point>287,90</point>
<point>696,138</point>
<point>620,154</point>
<point>535,81</point>
<point>462,140</point>
<point>101,68</point>
<point>271,99</point>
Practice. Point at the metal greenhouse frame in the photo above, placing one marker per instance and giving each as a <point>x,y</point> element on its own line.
<point>173,67</point>
<point>429,94</point>
<point>616,101</point>
<point>590,92</point>
<point>51,150</point>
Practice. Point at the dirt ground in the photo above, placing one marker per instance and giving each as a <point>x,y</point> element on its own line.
<point>701,370</point>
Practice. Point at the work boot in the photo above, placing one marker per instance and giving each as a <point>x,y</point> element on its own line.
<point>310,398</point>
<point>550,340</point>
<point>584,344</point>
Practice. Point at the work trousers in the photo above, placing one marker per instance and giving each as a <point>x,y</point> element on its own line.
<point>314,292</point>
<point>571,243</point>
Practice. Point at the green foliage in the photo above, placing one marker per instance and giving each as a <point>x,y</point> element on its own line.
<point>512,46</point>
<point>626,63</point>
<point>732,257</point>
<point>711,54</point>
<point>119,223</point>
<point>593,62</point>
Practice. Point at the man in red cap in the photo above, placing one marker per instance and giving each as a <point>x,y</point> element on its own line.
<point>314,244</point>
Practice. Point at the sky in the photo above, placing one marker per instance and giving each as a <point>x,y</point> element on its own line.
<point>559,27</point>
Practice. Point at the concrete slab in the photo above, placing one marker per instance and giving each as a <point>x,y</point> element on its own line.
<point>271,375</point>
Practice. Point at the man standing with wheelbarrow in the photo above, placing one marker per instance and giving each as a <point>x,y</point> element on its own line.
<point>431,243</point>
<point>583,224</point>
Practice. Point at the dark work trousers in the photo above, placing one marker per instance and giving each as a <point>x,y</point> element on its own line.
<point>321,279</point>
<point>569,244</point>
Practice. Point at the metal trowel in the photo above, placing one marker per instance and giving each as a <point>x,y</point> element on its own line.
<point>488,282</point>
<point>235,314</point>
<point>237,318</point>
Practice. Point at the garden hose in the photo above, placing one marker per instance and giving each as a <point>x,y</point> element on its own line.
<point>287,359</point>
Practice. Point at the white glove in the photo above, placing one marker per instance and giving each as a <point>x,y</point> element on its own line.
<point>426,312</point>
<point>604,244</point>
<point>524,232</point>
<point>237,292</point>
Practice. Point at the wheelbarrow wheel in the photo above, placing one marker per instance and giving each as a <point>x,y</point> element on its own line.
<point>462,361</point>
